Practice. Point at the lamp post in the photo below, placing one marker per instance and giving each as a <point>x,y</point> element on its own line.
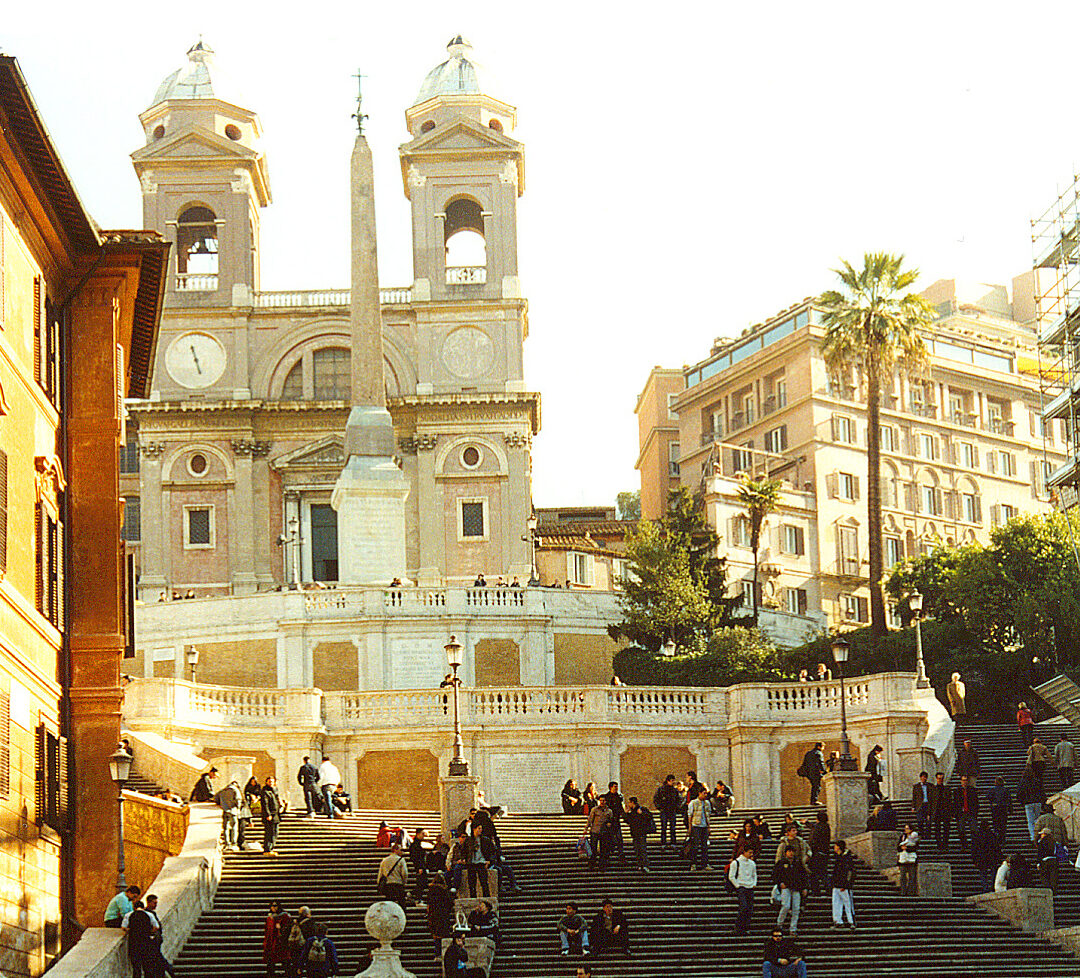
<point>119,769</point>
<point>840,649</point>
<point>192,660</point>
<point>532,523</point>
<point>915,603</point>
<point>459,767</point>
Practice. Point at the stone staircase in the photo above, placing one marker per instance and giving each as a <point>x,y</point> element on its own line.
<point>680,921</point>
<point>1002,752</point>
<point>1063,695</point>
<point>136,782</point>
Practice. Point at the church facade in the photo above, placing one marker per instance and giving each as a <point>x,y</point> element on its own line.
<point>240,442</point>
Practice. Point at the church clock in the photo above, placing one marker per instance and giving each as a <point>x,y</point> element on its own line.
<point>195,360</point>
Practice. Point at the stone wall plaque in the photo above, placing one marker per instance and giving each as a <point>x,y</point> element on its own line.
<point>528,781</point>
<point>417,663</point>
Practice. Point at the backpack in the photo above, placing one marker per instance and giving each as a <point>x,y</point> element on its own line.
<point>650,822</point>
<point>296,936</point>
<point>317,952</point>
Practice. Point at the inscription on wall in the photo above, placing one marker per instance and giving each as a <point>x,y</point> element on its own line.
<point>417,663</point>
<point>529,781</point>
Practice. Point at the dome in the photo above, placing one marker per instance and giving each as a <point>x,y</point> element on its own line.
<point>194,79</point>
<point>457,75</point>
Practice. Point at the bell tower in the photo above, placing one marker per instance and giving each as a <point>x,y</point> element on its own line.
<point>204,179</point>
<point>462,173</point>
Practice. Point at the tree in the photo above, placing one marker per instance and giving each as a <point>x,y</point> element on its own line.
<point>675,586</point>
<point>760,496</point>
<point>732,655</point>
<point>873,325</point>
<point>629,505</point>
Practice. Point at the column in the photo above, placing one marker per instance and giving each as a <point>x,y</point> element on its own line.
<point>518,555</point>
<point>429,566</point>
<point>152,577</point>
<point>241,520</point>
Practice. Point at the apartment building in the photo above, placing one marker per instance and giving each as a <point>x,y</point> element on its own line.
<point>963,447</point>
<point>658,437</point>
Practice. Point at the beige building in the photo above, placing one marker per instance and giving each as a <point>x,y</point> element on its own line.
<point>962,449</point>
<point>240,442</point>
<point>658,438</point>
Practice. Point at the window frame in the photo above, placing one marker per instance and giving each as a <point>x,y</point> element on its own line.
<point>211,508</point>
<point>848,495</point>
<point>473,538</point>
<point>800,598</point>
<point>791,531</point>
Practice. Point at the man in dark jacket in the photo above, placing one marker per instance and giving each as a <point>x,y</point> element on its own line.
<point>418,859</point>
<point>783,958</point>
<point>941,811</point>
<point>204,787</point>
<point>609,931</point>
<point>966,810</point>
<point>456,960</point>
<point>666,802</point>
<point>640,822</point>
<point>271,815</point>
<point>1000,799</point>
<point>842,881</point>
<point>813,769</point>
<point>820,837</point>
<point>790,875</point>
<point>920,802</point>
<point>141,952</point>
<point>308,778</point>
<point>615,803</point>
<point>967,763</point>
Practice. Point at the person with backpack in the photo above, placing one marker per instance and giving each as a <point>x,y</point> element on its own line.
<point>666,802</point>
<point>392,881</point>
<point>698,814</point>
<point>271,815</point>
<point>308,779</point>
<point>742,873</point>
<point>813,769</point>
<point>842,882</point>
<point>640,822</point>
<point>303,927</point>
<point>319,954</point>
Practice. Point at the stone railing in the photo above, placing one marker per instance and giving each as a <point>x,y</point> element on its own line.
<point>195,282</point>
<point>185,887</point>
<point>177,702</point>
<point>317,298</point>
<point>466,274</point>
<point>350,601</point>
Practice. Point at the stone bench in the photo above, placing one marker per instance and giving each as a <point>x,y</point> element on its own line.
<point>481,952</point>
<point>932,880</point>
<point>1031,908</point>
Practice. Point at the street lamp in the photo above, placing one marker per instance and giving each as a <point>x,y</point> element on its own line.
<point>119,769</point>
<point>840,649</point>
<point>915,603</point>
<point>459,767</point>
<point>532,523</point>
<point>192,660</point>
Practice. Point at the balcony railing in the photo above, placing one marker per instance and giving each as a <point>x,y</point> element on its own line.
<point>708,437</point>
<point>1000,426</point>
<point>192,282</point>
<point>466,274</point>
<point>319,298</point>
<point>181,704</point>
<point>924,410</point>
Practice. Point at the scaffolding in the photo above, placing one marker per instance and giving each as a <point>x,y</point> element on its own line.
<point>1055,240</point>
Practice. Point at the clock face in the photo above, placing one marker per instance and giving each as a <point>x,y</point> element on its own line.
<point>468,352</point>
<point>195,360</point>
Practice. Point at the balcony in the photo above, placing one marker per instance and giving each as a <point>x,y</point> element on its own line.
<point>1000,426</point>
<point>466,274</point>
<point>710,437</point>
<point>740,419</point>
<point>192,282</point>
<point>965,419</point>
<point>323,298</point>
<point>924,410</point>
<point>774,402</point>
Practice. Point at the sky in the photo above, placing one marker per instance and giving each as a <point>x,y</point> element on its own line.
<point>689,170</point>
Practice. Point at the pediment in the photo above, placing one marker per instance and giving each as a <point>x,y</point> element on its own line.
<point>197,141</point>
<point>461,134</point>
<point>328,452</point>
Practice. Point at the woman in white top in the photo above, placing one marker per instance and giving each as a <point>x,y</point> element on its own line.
<point>1002,873</point>
<point>908,856</point>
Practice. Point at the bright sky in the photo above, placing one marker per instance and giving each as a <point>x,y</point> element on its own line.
<point>690,169</point>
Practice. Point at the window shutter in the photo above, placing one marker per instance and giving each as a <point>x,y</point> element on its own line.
<point>855,487</point>
<point>58,578</point>
<point>5,744</point>
<point>950,505</point>
<point>831,479</point>
<point>939,505</point>
<point>783,437</point>
<point>3,499</point>
<point>39,299</point>
<point>569,565</point>
<point>1011,463</point>
<point>978,509</point>
<point>1035,480</point>
<point>863,613</point>
<point>39,774</point>
<point>120,386</point>
<point>41,561</point>
<point>833,426</point>
<point>995,515</point>
<point>975,456</point>
<point>991,463</point>
<point>63,785</point>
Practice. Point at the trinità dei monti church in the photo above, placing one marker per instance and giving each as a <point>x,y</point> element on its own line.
<point>301,450</point>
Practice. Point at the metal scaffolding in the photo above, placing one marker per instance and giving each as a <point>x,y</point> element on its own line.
<point>1055,240</point>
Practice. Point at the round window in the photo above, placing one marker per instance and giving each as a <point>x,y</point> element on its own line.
<point>233,132</point>
<point>197,464</point>
<point>427,126</point>
<point>495,124</point>
<point>470,457</point>
<point>159,131</point>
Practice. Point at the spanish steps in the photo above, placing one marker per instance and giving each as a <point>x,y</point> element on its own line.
<point>680,921</point>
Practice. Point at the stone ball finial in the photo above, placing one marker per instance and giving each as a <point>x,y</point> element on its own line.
<point>384,921</point>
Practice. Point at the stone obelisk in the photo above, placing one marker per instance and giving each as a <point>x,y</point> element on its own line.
<point>370,493</point>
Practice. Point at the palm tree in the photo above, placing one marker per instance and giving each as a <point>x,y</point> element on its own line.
<point>760,496</point>
<point>872,323</point>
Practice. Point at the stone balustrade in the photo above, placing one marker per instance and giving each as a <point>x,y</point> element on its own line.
<point>181,703</point>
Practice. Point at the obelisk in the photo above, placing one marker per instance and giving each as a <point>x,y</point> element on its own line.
<point>370,493</point>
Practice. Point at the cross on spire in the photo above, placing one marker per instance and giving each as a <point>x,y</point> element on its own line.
<point>359,115</point>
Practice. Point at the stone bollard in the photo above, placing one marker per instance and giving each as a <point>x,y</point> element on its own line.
<point>384,921</point>
<point>846,802</point>
<point>481,952</point>
<point>457,795</point>
<point>876,849</point>
<point>933,880</point>
<point>1031,908</point>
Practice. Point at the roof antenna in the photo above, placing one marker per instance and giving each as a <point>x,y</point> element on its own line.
<point>359,115</point>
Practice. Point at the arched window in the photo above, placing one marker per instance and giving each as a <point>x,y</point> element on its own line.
<point>332,379</point>
<point>293,388</point>
<point>466,249</point>
<point>197,250</point>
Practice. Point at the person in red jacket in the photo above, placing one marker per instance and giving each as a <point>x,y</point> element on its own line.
<point>1025,723</point>
<point>276,938</point>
